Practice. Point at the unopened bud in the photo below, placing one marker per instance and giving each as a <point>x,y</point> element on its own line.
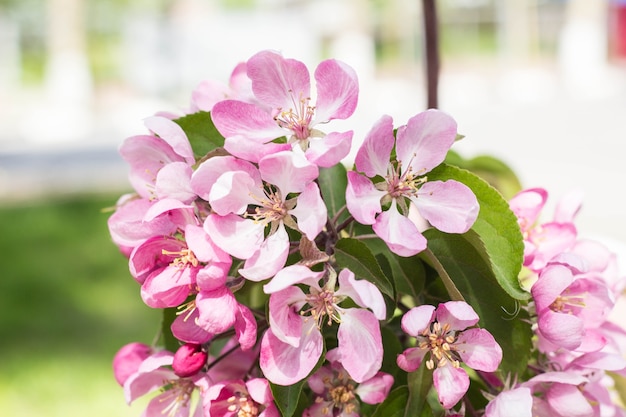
<point>189,359</point>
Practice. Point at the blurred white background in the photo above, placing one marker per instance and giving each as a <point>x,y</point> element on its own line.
<point>540,84</point>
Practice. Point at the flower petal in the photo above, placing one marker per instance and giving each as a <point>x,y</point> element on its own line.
<point>417,319</point>
<point>359,331</point>
<point>410,359</point>
<point>568,400</point>
<point>451,384</point>
<point>399,233</point>
<point>234,118</point>
<point>210,170</point>
<point>173,134</point>
<point>457,314</point>
<point>337,91</point>
<point>448,205</point>
<point>362,292</point>
<point>372,158</point>
<point>375,389</point>
<point>216,310</point>
<point>269,259</point>
<point>517,402</point>
<point>289,171</point>
<point>363,198</point>
<point>479,350</point>
<point>330,149</point>
<point>310,211</point>
<point>291,275</point>
<point>237,236</point>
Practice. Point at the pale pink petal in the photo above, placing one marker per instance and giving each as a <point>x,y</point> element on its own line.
<point>203,247</point>
<point>375,389</point>
<point>457,314</point>
<point>330,149</point>
<point>139,384</point>
<point>310,211</point>
<point>527,205</point>
<point>423,143</point>
<point>359,331</point>
<point>167,288</point>
<point>216,310</point>
<point>206,94</point>
<point>568,400</point>
<point>259,390</point>
<point>157,360</point>
<point>479,350</point>
<point>600,360</point>
<point>593,341</point>
<point>251,150</point>
<point>232,193</point>
<point>411,359</point>
<point>269,259</point>
<point>277,81</point>
<point>173,134</point>
<point>596,255</point>
<point>571,378</point>
<point>363,198</point>
<point>237,236</point>
<point>245,327</point>
<point>172,207</point>
<point>451,384</point>
<point>291,275</point>
<point>337,91</point>
<point>399,233</point>
<point>564,330</point>
<point>517,402</point>
<point>568,206</point>
<point>373,156</point>
<point>234,118</point>
<point>553,280</point>
<point>285,321</point>
<point>597,298</point>
<point>174,181</point>
<point>417,319</point>
<point>284,364</point>
<point>362,292</point>
<point>168,403</point>
<point>289,171</point>
<point>550,240</point>
<point>210,170</point>
<point>448,205</point>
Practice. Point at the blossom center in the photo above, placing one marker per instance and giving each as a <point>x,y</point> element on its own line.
<point>242,405</point>
<point>271,208</point>
<point>340,393</point>
<point>182,258</point>
<point>179,391</point>
<point>402,185</point>
<point>439,340</point>
<point>297,119</point>
<point>567,303</point>
<point>323,304</point>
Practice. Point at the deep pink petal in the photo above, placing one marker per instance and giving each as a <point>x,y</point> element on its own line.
<point>184,328</point>
<point>234,118</point>
<point>399,233</point>
<point>284,364</point>
<point>289,171</point>
<point>245,327</point>
<point>411,359</point>
<point>375,389</point>
<point>277,81</point>
<point>217,310</point>
<point>423,143</point>
<point>269,259</point>
<point>337,91</point>
<point>517,402</point>
<point>310,211</point>
<point>237,236</point>
<point>448,205</point>
<point>330,149</point>
<point>479,350</point>
<point>127,360</point>
<point>149,256</point>
<point>457,314</point>
<point>169,287</point>
<point>291,275</point>
<point>417,319</point>
<point>359,331</point>
<point>373,156</point>
<point>362,198</point>
<point>362,292</point>
<point>451,384</point>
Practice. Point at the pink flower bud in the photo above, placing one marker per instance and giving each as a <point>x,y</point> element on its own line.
<point>127,360</point>
<point>189,359</point>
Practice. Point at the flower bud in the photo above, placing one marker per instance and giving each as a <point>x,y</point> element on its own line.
<point>189,359</point>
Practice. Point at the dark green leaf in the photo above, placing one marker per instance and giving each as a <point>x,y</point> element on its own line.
<point>287,397</point>
<point>169,341</point>
<point>333,182</point>
<point>356,256</point>
<point>201,133</point>
<point>498,312</point>
<point>408,274</point>
<point>497,228</point>
<point>394,404</point>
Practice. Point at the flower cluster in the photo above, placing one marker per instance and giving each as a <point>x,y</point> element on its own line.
<point>293,284</point>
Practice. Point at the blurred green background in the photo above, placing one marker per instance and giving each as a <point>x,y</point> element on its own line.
<point>67,303</point>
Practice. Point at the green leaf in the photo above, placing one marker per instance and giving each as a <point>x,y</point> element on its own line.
<point>394,404</point>
<point>356,256</point>
<point>498,312</point>
<point>419,383</point>
<point>408,274</point>
<point>167,338</point>
<point>287,397</point>
<point>497,228</point>
<point>201,133</point>
<point>333,182</point>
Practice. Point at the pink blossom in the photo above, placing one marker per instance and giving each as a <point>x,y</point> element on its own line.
<point>127,360</point>
<point>444,334</point>
<point>420,145</point>
<point>337,395</point>
<point>282,88</point>
<point>189,359</point>
<point>238,398</point>
<point>293,344</point>
<point>210,92</point>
